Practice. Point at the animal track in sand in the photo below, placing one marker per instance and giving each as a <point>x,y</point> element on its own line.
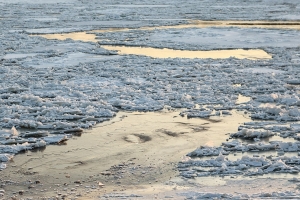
<point>170,133</point>
<point>137,138</point>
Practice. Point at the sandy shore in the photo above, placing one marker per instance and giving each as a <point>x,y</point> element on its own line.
<point>132,152</point>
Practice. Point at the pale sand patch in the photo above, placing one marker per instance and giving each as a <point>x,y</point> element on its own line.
<point>104,155</point>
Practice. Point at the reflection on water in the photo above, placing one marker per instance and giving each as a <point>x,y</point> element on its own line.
<point>81,36</point>
<point>252,54</point>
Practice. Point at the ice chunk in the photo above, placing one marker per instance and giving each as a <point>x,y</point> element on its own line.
<point>278,166</point>
<point>14,131</point>
<point>290,100</point>
<point>5,134</point>
<point>202,113</point>
<point>207,151</point>
<point>294,82</point>
<point>35,134</point>
<point>295,127</point>
<point>271,109</point>
<point>251,134</point>
<point>55,139</point>
<point>294,112</point>
<point>38,144</point>
<point>289,146</point>
<point>2,166</point>
<point>5,157</point>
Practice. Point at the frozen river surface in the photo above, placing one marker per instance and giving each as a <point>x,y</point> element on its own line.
<point>66,66</point>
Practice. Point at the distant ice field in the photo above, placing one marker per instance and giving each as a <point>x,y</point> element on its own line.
<point>52,89</point>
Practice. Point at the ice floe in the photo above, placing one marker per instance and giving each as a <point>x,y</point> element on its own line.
<point>251,134</point>
<point>239,196</point>
<point>247,166</point>
<point>207,151</point>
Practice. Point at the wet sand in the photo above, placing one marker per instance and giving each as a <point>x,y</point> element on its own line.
<point>132,152</point>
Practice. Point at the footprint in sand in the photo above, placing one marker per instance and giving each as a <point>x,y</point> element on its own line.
<point>137,138</point>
